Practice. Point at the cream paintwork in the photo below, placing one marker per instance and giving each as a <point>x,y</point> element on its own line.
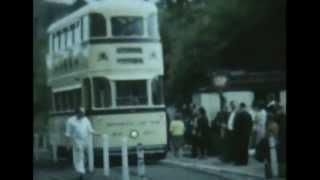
<point>152,128</point>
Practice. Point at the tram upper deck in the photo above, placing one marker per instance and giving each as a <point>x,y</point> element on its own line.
<point>108,37</point>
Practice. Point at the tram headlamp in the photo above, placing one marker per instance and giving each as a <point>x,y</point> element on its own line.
<point>134,134</point>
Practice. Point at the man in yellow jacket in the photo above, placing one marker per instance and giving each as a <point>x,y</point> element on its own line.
<point>177,130</point>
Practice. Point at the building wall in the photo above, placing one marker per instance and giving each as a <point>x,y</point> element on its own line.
<point>211,101</point>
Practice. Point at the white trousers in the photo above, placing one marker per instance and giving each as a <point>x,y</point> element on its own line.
<point>78,152</point>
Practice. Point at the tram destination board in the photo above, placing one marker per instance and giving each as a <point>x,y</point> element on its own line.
<point>130,61</point>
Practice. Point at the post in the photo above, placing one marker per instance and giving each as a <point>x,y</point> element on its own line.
<point>90,153</point>
<point>54,148</point>
<point>106,160</point>
<point>36,146</point>
<point>44,142</point>
<point>140,158</point>
<point>125,167</point>
<point>273,158</point>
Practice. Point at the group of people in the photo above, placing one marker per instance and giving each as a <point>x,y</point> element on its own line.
<point>232,131</point>
<point>191,127</point>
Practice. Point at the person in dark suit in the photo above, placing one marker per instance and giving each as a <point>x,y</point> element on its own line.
<point>202,131</point>
<point>242,130</point>
<point>219,133</point>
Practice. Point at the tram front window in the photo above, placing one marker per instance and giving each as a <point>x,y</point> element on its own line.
<point>127,26</point>
<point>153,26</point>
<point>157,91</point>
<point>131,93</point>
<point>102,96</point>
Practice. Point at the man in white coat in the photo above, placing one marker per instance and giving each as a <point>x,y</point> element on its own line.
<point>230,133</point>
<point>78,131</point>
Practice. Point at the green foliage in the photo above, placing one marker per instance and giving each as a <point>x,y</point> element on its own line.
<point>195,35</point>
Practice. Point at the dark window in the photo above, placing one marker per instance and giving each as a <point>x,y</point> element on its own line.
<point>52,42</point>
<point>78,99</point>
<point>75,98</point>
<point>98,27</point>
<point>58,101</point>
<point>73,35</point>
<point>157,90</point>
<point>81,29</point>
<point>102,92</point>
<point>131,93</point>
<point>127,26</point>
<point>51,100</point>
<point>65,101</point>
<point>59,39</point>
<point>65,32</point>
<point>87,93</point>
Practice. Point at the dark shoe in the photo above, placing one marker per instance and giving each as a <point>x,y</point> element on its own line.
<point>81,177</point>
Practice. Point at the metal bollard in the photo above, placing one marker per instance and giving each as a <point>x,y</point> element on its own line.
<point>54,148</point>
<point>141,164</point>
<point>125,167</point>
<point>106,160</point>
<point>36,146</point>
<point>273,158</point>
<point>91,154</point>
<point>44,142</point>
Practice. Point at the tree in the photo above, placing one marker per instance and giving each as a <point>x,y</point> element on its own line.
<point>195,36</point>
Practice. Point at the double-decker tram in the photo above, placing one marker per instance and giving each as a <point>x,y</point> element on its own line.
<point>107,57</point>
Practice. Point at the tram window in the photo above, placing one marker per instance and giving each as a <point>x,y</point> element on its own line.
<point>51,38</point>
<point>69,43</point>
<point>58,101</point>
<point>81,29</point>
<point>157,90</point>
<point>51,100</point>
<point>77,95</point>
<point>64,101</point>
<point>56,42</point>
<point>59,40</point>
<point>77,32</point>
<point>131,93</point>
<point>87,93</point>
<point>65,35</point>
<point>98,27</point>
<point>102,92</point>
<point>73,35</point>
<point>62,40</point>
<point>127,26</point>
<point>152,26</point>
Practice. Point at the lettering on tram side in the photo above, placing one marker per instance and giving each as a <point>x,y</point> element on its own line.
<point>155,122</point>
<point>147,132</point>
<point>142,123</point>
<point>112,124</point>
<point>116,134</point>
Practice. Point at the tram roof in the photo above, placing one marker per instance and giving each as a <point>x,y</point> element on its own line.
<point>106,5</point>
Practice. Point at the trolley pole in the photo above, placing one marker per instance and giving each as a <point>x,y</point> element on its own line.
<point>106,160</point>
<point>140,161</point>
<point>125,167</point>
